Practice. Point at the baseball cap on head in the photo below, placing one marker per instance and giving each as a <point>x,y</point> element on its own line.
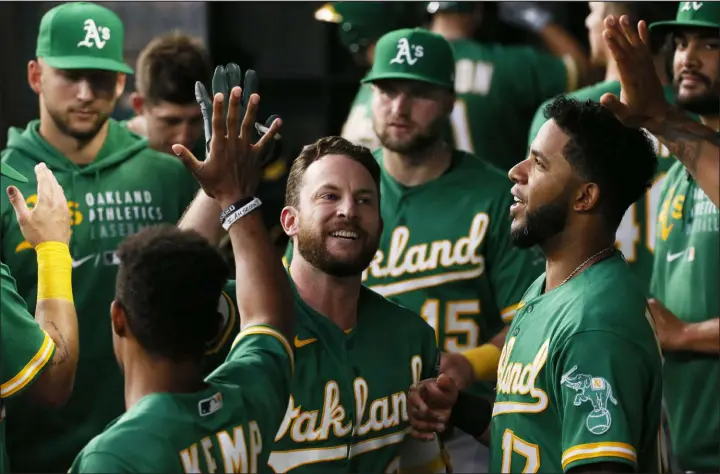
<point>691,15</point>
<point>82,35</point>
<point>414,54</point>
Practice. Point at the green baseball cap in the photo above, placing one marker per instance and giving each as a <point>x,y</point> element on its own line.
<point>82,35</point>
<point>12,173</point>
<point>691,15</point>
<point>415,54</point>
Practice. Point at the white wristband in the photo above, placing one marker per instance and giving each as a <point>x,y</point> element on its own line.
<point>243,211</point>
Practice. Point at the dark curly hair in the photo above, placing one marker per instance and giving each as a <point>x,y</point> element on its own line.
<point>619,159</point>
<point>169,283</point>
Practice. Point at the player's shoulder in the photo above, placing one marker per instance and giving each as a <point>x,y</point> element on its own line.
<point>389,312</point>
<point>479,173</point>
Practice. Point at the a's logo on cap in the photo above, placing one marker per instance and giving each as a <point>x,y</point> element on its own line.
<point>94,35</point>
<point>407,53</point>
<point>687,6</point>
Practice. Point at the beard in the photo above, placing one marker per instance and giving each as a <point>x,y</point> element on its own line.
<point>419,143</point>
<point>706,104</point>
<point>541,224</point>
<point>83,136</point>
<point>312,246</point>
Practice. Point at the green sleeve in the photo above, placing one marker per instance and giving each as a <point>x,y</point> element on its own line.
<point>287,258</point>
<point>262,354</point>
<point>219,347</point>
<point>537,122</point>
<point>99,462</point>
<point>25,348</point>
<point>431,355</point>
<point>511,269</point>
<point>601,398</point>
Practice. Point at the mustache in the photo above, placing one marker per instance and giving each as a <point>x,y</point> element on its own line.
<point>703,78</point>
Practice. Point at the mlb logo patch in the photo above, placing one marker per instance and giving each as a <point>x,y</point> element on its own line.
<point>210,405</point>
<point>597,383</point>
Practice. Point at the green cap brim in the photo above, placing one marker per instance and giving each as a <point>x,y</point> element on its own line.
<point>370,78</point>
<point>85,62</point>
<point>661,27</point>
<point>10,172</point>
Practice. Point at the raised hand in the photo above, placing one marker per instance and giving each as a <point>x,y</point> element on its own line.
<point>49,220</point>
<point>642,100</point>
<point>430,404</point>
<point>233,168</point>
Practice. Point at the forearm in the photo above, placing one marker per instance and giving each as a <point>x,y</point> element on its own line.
<point>702,337</point>
<point>263,288</point>
<point>55,314</point>
<point>203,216</point>
<point>696,146</point>
<point>484,359</point>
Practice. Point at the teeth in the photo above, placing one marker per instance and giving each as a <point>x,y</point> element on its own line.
<point>345,234</point>
<point>516,199</point>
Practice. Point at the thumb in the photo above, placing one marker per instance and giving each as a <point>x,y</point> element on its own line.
<point>612,103</point>
<point>17,200</point>
<point>188,159</point>
<point>445,383</point>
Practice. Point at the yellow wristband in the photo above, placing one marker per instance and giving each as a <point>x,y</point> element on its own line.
<point>54,271</point>
<point>484,361</point>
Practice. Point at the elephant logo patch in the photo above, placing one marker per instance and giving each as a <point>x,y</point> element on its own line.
<point>595,390</point>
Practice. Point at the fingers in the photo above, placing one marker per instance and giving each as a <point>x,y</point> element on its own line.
<point>188,159</point>
<point>611,102</point>
<point>57,190</point>
<point>446,383</point>
<point>629,31</point>
<point>233,117</point>
<point>422,436</point>
<point>17,200</point>
<point>44,182</point>
<point>644,33</point>
<point>220,86</point>
<point>246,132</point>
<point>218,118</point>
<point>270,134</point>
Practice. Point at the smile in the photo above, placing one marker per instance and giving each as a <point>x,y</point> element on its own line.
<point>345,234</point>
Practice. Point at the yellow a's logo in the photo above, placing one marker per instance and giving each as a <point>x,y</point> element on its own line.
<point>672,206</point>
<point>76,217</point>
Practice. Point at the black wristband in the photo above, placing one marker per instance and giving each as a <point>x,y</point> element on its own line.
<point>471,414</point>
<point>234,207</point>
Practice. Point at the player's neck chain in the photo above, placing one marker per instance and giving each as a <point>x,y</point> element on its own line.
<point>590,261</point>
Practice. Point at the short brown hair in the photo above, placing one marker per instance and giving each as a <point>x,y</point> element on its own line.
<point>323,147</point>
<point>169,66</point>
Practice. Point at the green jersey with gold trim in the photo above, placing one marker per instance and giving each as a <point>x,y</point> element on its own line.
<point>347,411</point>
<point>579,378</point>
<point>685,281</point>
<point>228,426</point>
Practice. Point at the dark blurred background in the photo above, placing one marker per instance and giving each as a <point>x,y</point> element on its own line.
<point>306,76</point>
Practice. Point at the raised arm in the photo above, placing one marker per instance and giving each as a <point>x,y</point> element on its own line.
<point>230,175</point>
<point>49,373</point>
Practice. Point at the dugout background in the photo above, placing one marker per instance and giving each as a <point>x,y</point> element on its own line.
<point>305,75</point>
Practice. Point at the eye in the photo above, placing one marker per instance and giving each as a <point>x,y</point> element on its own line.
<point>329,196</point>
<point>364,200</point>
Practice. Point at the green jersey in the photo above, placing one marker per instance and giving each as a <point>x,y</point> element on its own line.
<point>636,232</point>
<point>347,410</point>
<point>126,188</point>
<point>229,426</point>
<point>457,269</point>
<point>579,378</point>
<point>685,281</point>
<point>25,350</point>
<point>498,89</point>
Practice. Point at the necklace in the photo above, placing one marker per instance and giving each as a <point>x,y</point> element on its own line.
<point>574,272</point>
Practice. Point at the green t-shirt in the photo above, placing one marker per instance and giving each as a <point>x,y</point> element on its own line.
<point>445,253</point>
<point>348,409</point>
<point>579,379</point>
<point>685,281</point>
<point>25,350</point>
<point>498,89</point>
<point>126,188</point>
<point>636,232</point>
<point>228,426</point>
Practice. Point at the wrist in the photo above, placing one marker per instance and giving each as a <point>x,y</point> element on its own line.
<point>484,361</point>
<point>238,210</point>
<point>54,271</point>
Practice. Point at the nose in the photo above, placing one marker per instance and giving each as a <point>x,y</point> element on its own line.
<point>85,91</point>
<point>400,104</point>
<point>347,208</point>
<point>184,134</point>
<point>690,57</point>
<point>518,173</point>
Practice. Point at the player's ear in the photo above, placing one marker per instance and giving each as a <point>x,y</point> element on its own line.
<point>289,221</point>
<point>587,197</point>
<point>117,318</point>
<point>137,102</point>
<point>120,84</point>
<point>448,103</point>
<point>34,73</point>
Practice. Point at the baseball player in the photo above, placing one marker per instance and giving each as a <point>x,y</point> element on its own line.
<point>162,317</point>
<point>39,355</point>
<point>498,87</point>
<point>685,301</point>
<point>444,251</point>
<point>636,233</point>
<point>114,184</point>
<point>360,24</point>
<point>579,383</point>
